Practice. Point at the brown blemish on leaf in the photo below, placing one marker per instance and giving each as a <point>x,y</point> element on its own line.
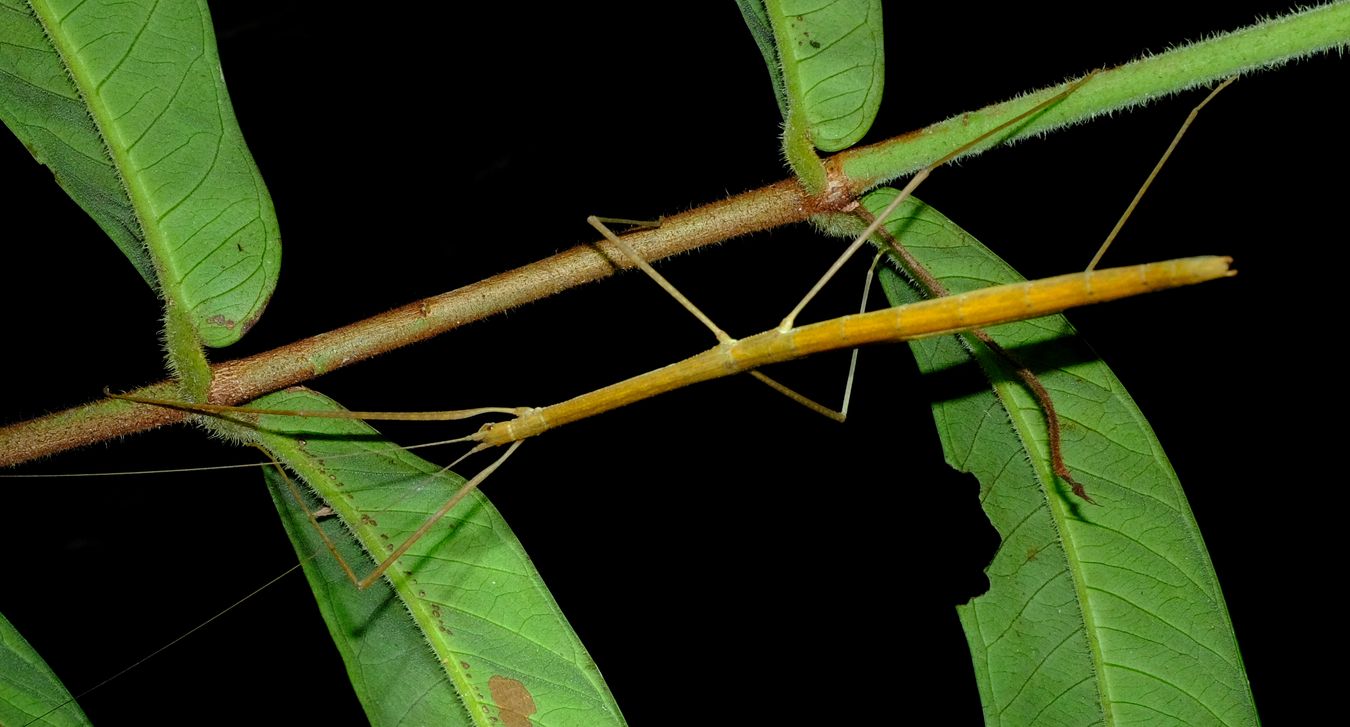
<point>513,700</point>
<point>220,320</point>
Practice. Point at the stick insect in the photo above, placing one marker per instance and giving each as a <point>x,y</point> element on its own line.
<point>740,433</point>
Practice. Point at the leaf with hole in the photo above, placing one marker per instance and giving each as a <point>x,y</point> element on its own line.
<point>1095,613</point>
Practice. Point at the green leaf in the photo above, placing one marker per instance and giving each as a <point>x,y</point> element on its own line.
<point>506,648</point>
<point>394,674</point>
<point>126,103</point>
<point>30,694</point>
<point>1107,613</point>
<point>833,65</point>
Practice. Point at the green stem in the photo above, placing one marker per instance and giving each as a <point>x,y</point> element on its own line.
<point>1265,45</point>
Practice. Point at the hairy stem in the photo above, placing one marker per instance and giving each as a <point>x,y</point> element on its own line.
<point>850,173</point>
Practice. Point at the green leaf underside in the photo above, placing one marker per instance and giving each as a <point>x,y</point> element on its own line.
<point>43,109</point>
<point>1096,614</point>
<point>396,677</point>
<point>757,20</point>
<point>126,103</point>
<point>506,647</point>
<point>28,688</point>
<point>833,65</point>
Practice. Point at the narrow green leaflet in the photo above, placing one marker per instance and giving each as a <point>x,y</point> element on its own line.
<point>126,103</point>
<point>28,689</point>
<point>833,64</point>
<point>1096,614</point>
<point>507,650</point>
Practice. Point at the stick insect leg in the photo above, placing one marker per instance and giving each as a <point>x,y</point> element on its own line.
<point>722,336</point>
<point>464,491</point>
<point>790,320</point>
<point>1019,369</point>
<point>311,515</point>
<point>599,224</point>
<point>853,357</point>
<point>1129,210</point>
<point>220,410</point>
<point>842,414</point>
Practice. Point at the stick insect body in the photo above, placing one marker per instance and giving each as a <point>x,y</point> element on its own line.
<point>949,314</point>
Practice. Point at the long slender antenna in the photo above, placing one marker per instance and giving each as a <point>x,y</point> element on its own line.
<point>162,649</point>
<point>214,468</point>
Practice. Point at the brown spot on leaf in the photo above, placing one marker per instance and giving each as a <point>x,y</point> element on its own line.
<point>1032,553</point>
<point>368,520</point>
<point>220,320</point>
<point>815,44</point>
<point>513,700</point>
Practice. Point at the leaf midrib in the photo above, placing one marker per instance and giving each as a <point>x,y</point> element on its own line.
<point>1006,390</point>
<point>80,77</point>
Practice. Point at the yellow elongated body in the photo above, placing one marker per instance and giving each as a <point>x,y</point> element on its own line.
<point>952,314</point>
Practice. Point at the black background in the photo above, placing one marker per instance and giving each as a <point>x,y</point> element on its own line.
<point>716,546</point>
